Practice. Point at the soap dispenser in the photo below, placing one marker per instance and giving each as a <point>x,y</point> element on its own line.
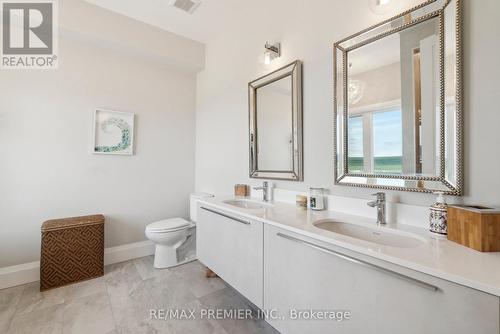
<point>438,217</point>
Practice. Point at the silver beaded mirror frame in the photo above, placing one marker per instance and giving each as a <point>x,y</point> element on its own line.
<point>359,168</point>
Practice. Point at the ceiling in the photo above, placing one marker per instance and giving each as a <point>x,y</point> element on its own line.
<point>211,18</point>
<point>216,17</point>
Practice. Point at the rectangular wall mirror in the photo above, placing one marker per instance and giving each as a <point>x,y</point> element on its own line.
<point>275,107</point>
<point>398,107</point>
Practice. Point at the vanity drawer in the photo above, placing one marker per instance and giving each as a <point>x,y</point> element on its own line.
<point>301,273</point>
<point>232,248</point>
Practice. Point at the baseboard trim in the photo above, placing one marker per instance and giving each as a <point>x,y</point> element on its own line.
<point>128,252</point>
<point>19,274</point>
<point>30,272</point>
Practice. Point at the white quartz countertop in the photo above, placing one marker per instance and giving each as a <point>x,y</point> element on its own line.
<point>436,256</point>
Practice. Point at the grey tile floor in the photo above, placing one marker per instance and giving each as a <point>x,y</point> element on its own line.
<point>122,300</point>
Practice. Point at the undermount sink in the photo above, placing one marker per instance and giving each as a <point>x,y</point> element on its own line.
<point>247,204</point>
<point>381,235</point>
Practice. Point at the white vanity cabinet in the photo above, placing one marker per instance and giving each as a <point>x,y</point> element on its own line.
<point>231,246</point>
<point>305,274</point>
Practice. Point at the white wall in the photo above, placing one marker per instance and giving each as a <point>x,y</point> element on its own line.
<point>46,118</point>
<point>274,121</point>
<point>307,31</point>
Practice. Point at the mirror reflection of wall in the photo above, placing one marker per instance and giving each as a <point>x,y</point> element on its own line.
<point>393,103</point>
<point>275,127</point>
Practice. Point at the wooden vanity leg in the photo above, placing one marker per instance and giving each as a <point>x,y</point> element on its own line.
<point>210,274</point>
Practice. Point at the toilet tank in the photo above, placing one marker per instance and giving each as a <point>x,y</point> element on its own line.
<point>193,205</point>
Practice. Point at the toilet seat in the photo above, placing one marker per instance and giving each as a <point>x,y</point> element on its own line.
<point>168,225</point>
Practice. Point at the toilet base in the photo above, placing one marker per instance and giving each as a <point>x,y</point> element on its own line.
<point>181,253</point>
<point>162,262</point>
<point>165,256</point>
<point>180,263</point>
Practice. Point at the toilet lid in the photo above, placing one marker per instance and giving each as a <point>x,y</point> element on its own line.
<point>167,225</point>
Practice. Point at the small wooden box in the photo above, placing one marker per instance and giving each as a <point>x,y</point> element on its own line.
<point>475,227</point>
<point>241,190</point>
<point>72,250</point>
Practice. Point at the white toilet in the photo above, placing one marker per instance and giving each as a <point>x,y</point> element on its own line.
<point>174,237</point>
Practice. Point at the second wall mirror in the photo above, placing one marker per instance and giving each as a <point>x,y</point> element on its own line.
<point>398,102</point>
<point>275,107</point>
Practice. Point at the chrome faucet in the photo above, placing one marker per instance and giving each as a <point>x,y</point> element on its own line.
<point>380,204</point>
<point>267,191</point>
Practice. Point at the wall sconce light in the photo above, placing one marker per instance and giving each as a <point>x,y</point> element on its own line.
<point>272,51</point>
<point>381,6</point>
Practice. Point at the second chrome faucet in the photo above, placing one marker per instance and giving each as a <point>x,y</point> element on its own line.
<point>380,204</point>
<point>267,191</point>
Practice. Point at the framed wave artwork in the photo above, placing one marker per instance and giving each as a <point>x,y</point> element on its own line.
<point>113,132</point>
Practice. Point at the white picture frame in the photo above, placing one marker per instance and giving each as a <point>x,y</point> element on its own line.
<point>113,132</point>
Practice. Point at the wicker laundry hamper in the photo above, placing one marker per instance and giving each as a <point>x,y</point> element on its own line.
<point>72,250</point>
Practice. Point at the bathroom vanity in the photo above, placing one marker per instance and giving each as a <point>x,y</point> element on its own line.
<point>397,279</point>
<point>297,265</point>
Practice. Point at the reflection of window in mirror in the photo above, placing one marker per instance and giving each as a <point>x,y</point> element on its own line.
<point>355,161</point>
<point>388,142</point>
<point>376,141</point>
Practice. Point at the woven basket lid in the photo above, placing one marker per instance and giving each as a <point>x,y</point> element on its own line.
<point>57,224</point>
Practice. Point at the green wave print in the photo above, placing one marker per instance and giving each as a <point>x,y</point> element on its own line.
<point>124,143</point>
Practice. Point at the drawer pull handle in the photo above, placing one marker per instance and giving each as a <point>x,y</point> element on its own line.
<point>226,216</point>
<point>361,262</point>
